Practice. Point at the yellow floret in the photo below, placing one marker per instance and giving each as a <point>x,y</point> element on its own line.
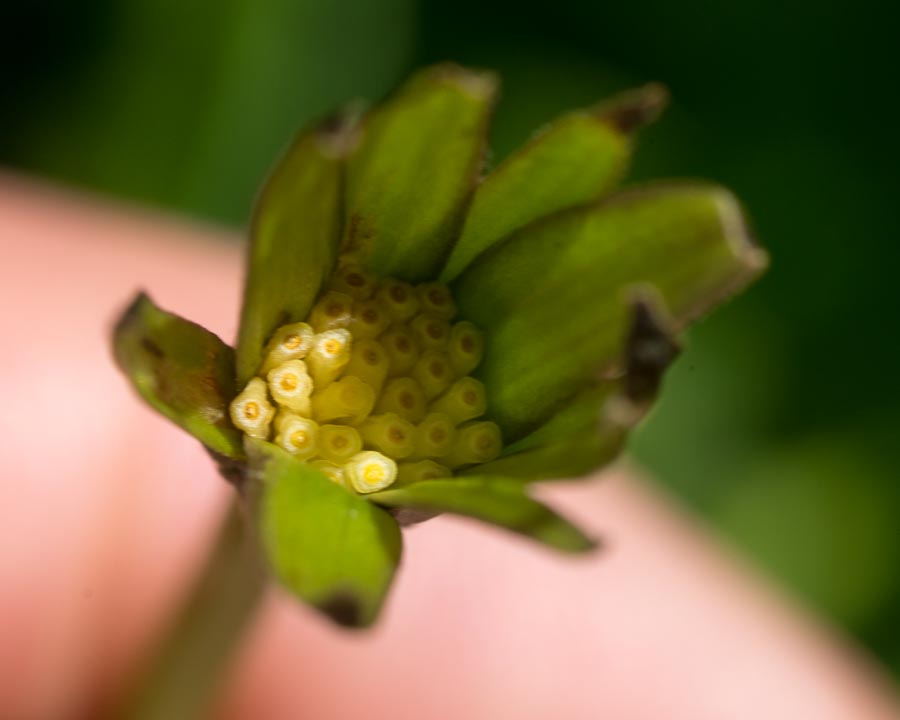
<point>413,472</point>
<point>434,436</point>
<point>251,411</point>
<point>369,362</point>
<point>402,348</point>
<point>370,471</point>
<point>432,331</point>
<point>398,299</point>
<point>329,355</point>
<point>339,443</point>
<point>463,401</point>
<point>348,400</point>
<point>435,298</point>
<point>390,434</point>
<point>478,442</point>
<point>290,342</point>
<point>291,386</point>
<point>332,311</point>
<point>432,371</point>
<point>465,348</point>
<point>351,279</point>
<point>333,472</point>
<point>404,397</point>
<point>367,320</point>
<point>298,435</point>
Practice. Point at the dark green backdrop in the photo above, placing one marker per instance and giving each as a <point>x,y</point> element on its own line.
<point>780,423</point>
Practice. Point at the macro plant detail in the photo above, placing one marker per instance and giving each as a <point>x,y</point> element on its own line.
<point>375,390</point>
<point>422,335</point>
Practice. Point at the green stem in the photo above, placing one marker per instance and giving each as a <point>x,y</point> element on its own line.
<point>184,674</point>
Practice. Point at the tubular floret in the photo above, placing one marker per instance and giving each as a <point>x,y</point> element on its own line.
<point>465,348</point>
<point>291,386</point>
<point>339,443</point>
<point>298,435</point>
<point>353,280</point>
<point>333,472</point>
<point>413,472</point>
<point>332,311</point>
<point>435,298</point>
<point>251,410</point>
<point>477,442</point>
<point>370,471</point>
<point>329,356</point>
<point>290,342</point>
<point>369,362</point>
<point>398,299</point>
<point>464,400</point>
<point>433,373</point>
<point>367,319</point>
<point>348,400</point>
<point>432,331</point>
<point>389,434</point>
<point>402,348</point>
<point>434,436</point>
<point>403,396</point>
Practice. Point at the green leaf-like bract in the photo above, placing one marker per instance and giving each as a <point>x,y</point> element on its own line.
<point>553,299</point>
<point>411,178</point>
<point>332,548</point>
<point>579,157</point>
<point>294,238</point>
<point>496,500</point>
<point>182,370</point>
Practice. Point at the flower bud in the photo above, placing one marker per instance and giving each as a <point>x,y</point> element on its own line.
<point>347,400</point>
<point>333,472</point>
<point>463,401</point>
<point>251,411</point>
<point>432,371</point>
<point>432,332</point>
<point>479,442</point>
<point>338,443</point>
<point>291,386</point>
<point>434,436</point>
<point>329,355</point>
<point>367,320</point>
<point>404,397</point>
<point>402,348</point>
<point>353,280</point>
<point>369,362</point>
<point>290,342</point>
<point>370,471</point>
<point>435,298</point>
<point>413,472</point>
<point>398,299</point>
<point>390,434</point>
<point>466,348</point>
<point>298,435</point>
<point>332,311</point>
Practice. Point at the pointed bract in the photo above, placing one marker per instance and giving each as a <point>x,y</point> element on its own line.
<point>332,548</point>
<point>558,311</point>
<point>182,370</point>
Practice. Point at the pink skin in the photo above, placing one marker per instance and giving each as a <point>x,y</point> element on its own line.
<point>106,510</point>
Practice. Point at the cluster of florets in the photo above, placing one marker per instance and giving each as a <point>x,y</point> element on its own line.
<point>374,389</point>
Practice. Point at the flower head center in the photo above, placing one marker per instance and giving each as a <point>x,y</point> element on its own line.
<point>374,388</point>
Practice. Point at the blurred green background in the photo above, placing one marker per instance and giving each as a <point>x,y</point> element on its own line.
<point>780,422</point>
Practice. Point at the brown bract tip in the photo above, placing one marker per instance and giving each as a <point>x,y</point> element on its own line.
<point>633,109</point>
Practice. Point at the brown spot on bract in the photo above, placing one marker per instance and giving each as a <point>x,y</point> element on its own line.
<point>152,348</point>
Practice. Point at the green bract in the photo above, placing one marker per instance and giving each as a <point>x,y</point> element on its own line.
<point>577,288</point>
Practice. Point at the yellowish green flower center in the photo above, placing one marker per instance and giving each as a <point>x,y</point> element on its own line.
<point>374,389</point>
